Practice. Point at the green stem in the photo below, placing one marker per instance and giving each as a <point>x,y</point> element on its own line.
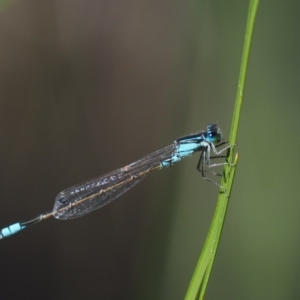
<point>203,268</point>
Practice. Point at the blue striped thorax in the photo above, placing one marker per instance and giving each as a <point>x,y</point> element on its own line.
<point>187,145</point>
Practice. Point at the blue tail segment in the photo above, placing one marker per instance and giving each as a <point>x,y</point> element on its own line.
<point>12,229</point>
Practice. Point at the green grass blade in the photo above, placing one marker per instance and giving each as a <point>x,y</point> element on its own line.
<point>242,78</point>
<point>203,268</point>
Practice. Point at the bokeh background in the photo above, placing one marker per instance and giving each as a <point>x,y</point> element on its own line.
<point>90,86</point>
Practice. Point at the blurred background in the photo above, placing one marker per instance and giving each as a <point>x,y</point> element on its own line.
<point>89,86</point>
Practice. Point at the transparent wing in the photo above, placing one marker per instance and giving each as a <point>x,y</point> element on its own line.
<point>83,198</point>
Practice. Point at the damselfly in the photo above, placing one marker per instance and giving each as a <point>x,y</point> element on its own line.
<point>83,198</point>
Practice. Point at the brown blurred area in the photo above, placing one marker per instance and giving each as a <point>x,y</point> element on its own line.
<point>87,87</point>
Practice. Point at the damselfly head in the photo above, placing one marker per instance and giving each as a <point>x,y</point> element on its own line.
<point>213,133</point>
